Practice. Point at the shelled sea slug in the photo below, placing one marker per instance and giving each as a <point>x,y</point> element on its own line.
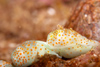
<point>61,42</point>
<point>68,43</point>
<point>28,52</point>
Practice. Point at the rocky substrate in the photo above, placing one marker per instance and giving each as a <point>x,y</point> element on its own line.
<point>86,19</point>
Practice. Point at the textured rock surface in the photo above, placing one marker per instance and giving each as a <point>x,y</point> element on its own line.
<point>86,19</point>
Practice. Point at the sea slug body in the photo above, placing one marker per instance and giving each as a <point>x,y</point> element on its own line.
<point>27,52</point>
<point>69,44</point>
<point>62,43</point>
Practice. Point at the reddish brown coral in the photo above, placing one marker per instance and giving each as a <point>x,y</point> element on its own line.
<point>85,19</point>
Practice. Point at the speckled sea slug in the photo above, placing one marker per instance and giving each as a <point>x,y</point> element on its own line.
<point>62,43</point>
<point>69,44</point>
<point>5,64</point>
<point>28,52</point>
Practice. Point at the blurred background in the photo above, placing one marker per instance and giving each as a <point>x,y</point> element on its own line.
<point>22,20</point>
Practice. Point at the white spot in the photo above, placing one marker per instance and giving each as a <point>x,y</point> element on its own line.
<point>95,55</point>
<point>85,15</point>
<point>12,45</point>
<point>51,11</point>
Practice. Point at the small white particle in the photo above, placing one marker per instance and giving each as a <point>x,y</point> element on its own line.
<point>95,55</point>
<point>51,11</point>
<point>85,15</point>
<point>12,45</point>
